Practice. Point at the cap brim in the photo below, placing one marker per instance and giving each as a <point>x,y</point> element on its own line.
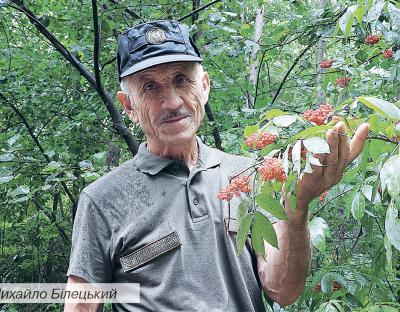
<point>160,60</point>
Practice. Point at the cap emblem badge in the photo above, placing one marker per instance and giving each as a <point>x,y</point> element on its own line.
<point>156,36</point>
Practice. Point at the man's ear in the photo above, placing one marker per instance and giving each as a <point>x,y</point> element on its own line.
<point>206,86</point>
<point>127,105</point>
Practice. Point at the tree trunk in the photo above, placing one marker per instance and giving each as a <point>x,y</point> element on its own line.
<point>254,63</point>
<point>320,56</point>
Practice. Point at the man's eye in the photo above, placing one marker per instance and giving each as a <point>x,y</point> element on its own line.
<point>150,86</point>
<point>182,80</point>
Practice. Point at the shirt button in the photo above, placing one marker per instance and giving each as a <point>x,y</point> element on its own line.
<point>176,166</point>
<point>195,201</point>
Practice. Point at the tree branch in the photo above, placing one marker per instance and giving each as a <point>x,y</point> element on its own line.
<point>291,68</point>
<point>116,118</point>
<point>36,140</point>
<point>198,10</point>
<point>53,219</point>
<point>96,45</point>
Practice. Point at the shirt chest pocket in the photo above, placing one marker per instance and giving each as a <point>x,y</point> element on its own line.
<point>151,251</point>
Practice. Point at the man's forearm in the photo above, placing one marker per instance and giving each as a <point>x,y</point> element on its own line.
<point>284,272</point>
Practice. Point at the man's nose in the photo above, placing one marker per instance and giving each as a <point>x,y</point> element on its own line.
<point>171,99</point>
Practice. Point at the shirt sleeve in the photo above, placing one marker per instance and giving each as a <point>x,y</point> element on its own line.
<point>91,243</point>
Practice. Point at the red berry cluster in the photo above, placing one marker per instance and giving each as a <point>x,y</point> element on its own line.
<point>372,39</point>
<point>237,185</point>
<point>342,82</point>
<point>271,168</point>
<point>319,115</point>
<point>259,140</point>
<point>388,53</point>
<point>323,196</point>
<point>335,286</point>
<point>326,64</point>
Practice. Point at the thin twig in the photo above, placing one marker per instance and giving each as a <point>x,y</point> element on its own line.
<point>96,44</point>
<point>198,10</point>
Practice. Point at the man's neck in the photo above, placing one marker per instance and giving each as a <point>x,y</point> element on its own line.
<point>189,152</point>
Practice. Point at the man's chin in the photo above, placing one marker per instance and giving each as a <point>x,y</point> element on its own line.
<point>178,138</point>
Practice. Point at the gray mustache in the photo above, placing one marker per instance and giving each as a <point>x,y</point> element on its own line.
<point>175,113</point>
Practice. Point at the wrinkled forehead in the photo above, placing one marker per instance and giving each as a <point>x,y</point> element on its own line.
<point>167,70</point>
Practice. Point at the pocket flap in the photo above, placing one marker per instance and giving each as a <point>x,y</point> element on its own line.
<point>150,251</point>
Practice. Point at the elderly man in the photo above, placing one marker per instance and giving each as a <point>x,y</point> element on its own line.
<point>156,220</point>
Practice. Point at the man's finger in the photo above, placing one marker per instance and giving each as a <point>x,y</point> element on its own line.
<point>358,140</point>
<point>330,169</point>
<point>344,149</point>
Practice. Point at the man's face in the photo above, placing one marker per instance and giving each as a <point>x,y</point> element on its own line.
<point>168,102</point>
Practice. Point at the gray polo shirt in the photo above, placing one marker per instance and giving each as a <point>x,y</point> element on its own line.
<point>151,221</point>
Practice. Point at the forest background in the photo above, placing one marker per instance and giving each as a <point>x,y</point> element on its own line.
<point>61,127</point>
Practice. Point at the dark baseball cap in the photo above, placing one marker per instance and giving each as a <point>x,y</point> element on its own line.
<point>154,43</point>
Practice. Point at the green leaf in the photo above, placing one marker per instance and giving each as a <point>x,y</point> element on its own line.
<point>358,206</point>
<point>53,166</point>
<point>364,159</point>
<point>392,225</point>
<point>359,13</point>
<point>343,21</point>
<point>263,228</point>
<point>20,190</point>
<point>383,107</point>
<point>394,13</point>
<point>373,122</point>
<point>271,205</point>
<point>242,210</point>
<point>267,149</point>
<point>284,121</point>
<point>257,240</point>
<point>375,149</point>
<point>316,145</point>
<point>242,233</point>
<point>250,130</point>
<point>13,139</point>
<point>319,230</point>
<point>375,11</point>
<point>326,283</point>
<point>349,25</point>
<point>90,176</point>
<point>6,179</point>
<point>272,113</point>
<point>309,132</point>
<point>6,157</point>
<point>390,175</point>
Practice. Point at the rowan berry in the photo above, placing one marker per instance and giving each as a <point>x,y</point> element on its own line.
<point>342,82</point>
<point>317,288</point>
<point>241,183</point>
<point>237,185</point>
<point>319,115</point>
<point>336,286</point>
<point>271,168</point>
<point>388,54</point>
<point>225,194</point>
<point>326,64</point>
<point>260,140</point>
<point>372,39</point>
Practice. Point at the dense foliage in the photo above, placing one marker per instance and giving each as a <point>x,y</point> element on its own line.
<point>61,128</point>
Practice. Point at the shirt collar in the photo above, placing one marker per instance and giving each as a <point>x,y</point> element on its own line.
<point>152,164</point>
